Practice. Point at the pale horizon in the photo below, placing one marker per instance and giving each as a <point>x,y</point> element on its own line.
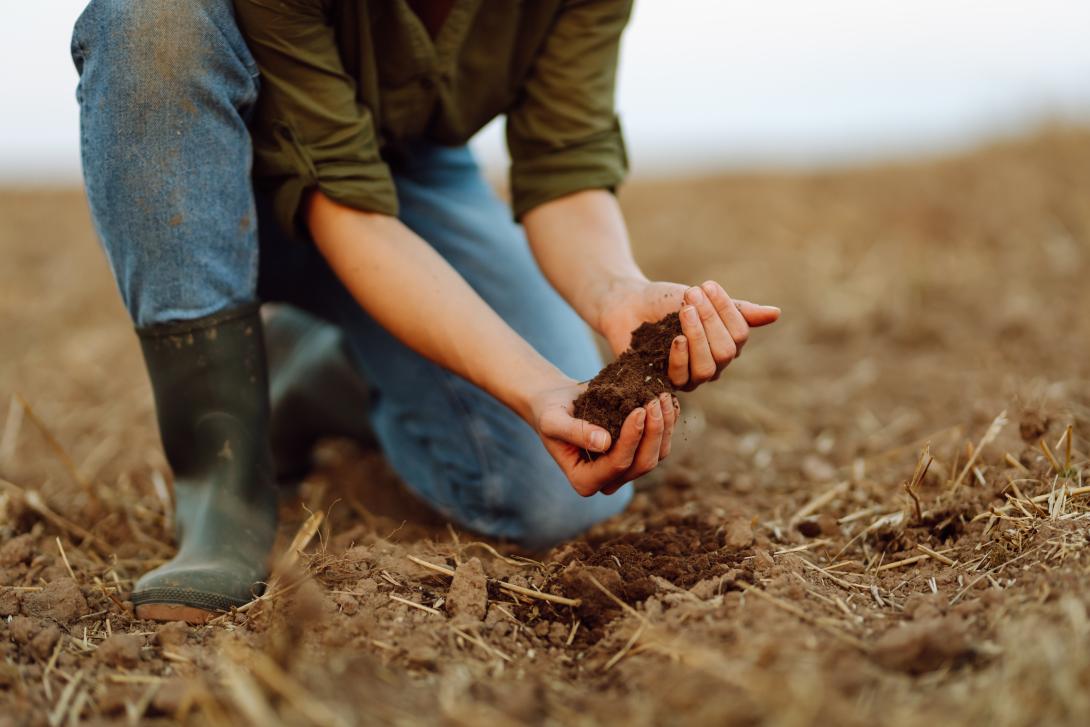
<point>780,84</point>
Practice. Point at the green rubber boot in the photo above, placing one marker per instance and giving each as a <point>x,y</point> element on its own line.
<point>212,399</point>
<point>315,390</point>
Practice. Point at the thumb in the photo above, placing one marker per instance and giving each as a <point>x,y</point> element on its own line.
<point>758,315</point>
<point>558,424</point>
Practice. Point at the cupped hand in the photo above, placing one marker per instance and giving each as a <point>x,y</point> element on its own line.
<point>644,440</point>
<point>714,327</point>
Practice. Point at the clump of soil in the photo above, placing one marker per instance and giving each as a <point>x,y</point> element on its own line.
<point>634,379</point>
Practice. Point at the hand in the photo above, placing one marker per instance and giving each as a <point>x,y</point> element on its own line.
<point>643,443</point>
<point>714,327</point>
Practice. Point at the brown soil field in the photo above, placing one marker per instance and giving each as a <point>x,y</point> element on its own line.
<point>795,562</point>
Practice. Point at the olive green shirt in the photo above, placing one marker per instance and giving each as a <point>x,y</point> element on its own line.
<point>346,82</point>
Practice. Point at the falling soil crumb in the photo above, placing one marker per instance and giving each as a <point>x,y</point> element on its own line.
<point>633,380</point>
<point>467,599</point>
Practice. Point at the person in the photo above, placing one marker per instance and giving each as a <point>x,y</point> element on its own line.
<point>313,152</point>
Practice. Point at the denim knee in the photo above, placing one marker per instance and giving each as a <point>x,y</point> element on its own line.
<point>539,506</point>
<point>165,87</point>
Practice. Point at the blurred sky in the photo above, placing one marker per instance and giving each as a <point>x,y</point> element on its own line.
<point>713,83</point>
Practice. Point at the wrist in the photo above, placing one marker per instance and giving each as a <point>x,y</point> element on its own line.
<point>611,300</point>
<point>531,384</point>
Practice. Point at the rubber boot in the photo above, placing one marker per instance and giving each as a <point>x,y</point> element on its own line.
<point>212,399</point>
<point>315,390</point>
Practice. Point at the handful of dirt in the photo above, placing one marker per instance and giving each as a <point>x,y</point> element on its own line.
<point>634,379</point>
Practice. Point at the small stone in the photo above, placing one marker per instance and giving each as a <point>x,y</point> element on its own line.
<point>738,533</point>
<point>61,600</point>
<point>19,549</point>
<point>120,650</point>
<point>172,635</point>
<point>468,595</point>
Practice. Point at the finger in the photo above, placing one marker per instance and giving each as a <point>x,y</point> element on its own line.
<point>558,424</point>
<point>647,454</point>
<point>757,315</point>
<point>720,339</point>
<point>678,370</point>
<point>669,418</point>
<point>610,469</point>
<point>728,312</point>
<point>701,364</point>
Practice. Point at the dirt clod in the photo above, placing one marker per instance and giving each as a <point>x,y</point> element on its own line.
<point>172,635</point>
<point>61,600</point>
<point>635,378</point>
<point>19,549</point>
<point>467,599</point>
<point>738,533</point>
<point>922,646</point>
<point>120,650</point>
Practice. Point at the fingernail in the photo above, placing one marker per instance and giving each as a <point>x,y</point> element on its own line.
<point>679,342</point>
<point>656,409</point>
<point>690,314</point>
<point>696,296</point>
<point>598,440</point>
<point>641,415</point>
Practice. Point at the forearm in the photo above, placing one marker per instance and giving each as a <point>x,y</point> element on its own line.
<point>581,244</point>
<point>412,292</point>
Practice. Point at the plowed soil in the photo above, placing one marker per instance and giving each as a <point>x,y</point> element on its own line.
<point>877,516</point>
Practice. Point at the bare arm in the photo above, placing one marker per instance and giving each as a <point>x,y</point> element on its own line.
<point>581,243</point>
<point>414,293</point>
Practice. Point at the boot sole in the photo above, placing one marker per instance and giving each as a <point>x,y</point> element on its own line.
<point>182,604</point>
<point>174,612</point>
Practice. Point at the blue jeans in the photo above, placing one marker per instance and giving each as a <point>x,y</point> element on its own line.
<point>166,88</point>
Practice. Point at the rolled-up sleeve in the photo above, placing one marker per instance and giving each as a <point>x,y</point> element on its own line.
<point>563,133</point>
<point>310,131</point>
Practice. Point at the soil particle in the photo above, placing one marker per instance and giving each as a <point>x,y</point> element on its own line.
<point>19,549</point>
<point>41,646</point>
<point>636,377</point>
<point>809,527</point>
<point>172,635</point>
<point>596,608</point>
<point>346,603</point>
<point>738,533</point>
<point>9,603</point>
<point>1033,425</point>
<point>60,600</point>
<point>467,599</point>
<point>173,696</point>
<point>120,650</point>
<point>922,646</point>
<point>676,552</point>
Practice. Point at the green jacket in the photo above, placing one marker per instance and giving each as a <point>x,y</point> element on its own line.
<point>345,82</point>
